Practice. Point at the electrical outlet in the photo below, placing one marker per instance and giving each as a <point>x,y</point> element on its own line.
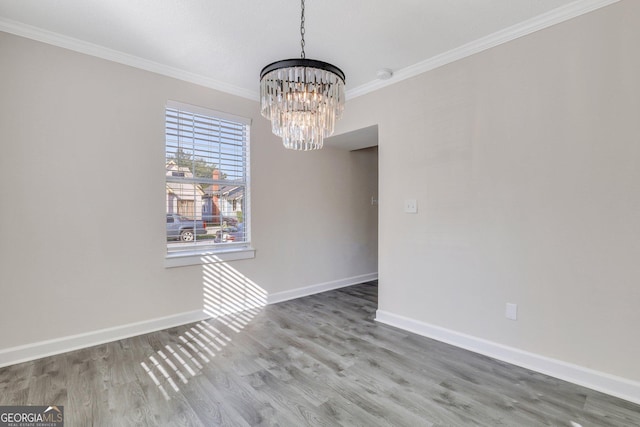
<point>410,206</point>
<point>511,311</point>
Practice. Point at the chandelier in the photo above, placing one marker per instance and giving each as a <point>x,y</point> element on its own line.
<point>302,97</point>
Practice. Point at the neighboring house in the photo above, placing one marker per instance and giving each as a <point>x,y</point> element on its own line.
<point>234,198</point>
<point>222,200</point>
<point>183,198</point>
<point>210,204</point>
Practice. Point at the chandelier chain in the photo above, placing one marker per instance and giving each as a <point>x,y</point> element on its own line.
<point>302,30</point>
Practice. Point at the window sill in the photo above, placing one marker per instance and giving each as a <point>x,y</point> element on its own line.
<point>202,257</point>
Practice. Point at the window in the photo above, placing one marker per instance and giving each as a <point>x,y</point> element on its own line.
<point>207,180</point>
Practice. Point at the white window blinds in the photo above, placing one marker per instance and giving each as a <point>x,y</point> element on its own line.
<point>207,178</point>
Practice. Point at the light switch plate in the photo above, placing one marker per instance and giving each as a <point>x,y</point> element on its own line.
<point>511,311</point>
<point>411,206</point>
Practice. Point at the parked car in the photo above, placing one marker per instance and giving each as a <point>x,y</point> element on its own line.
<point>231,234</point>
<point>183,228</point>
<point>230,220</point>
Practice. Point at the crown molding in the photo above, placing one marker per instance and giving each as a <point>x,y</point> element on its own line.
<point>545,20</point>
<point>87,48</point>
<point>540,22</point>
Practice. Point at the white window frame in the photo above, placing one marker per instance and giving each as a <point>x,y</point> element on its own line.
<point>202,253</point>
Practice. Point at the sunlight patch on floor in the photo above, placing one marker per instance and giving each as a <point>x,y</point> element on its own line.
<point>230,298</point>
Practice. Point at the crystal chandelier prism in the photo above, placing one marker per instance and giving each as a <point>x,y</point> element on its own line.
<point>303,98</point>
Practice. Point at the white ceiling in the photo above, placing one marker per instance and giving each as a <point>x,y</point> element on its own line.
<point>224,44</point>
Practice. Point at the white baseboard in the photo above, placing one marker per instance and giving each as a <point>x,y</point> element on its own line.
<point>321,287</point>
<point>25,353</point>
<point>599,381</point>
<point>28,352</point>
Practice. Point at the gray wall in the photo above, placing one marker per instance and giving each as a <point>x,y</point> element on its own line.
<point>82,228</point>
<point>524,160</point>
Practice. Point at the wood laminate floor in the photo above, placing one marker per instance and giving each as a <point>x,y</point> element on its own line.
<point>315,361</point>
